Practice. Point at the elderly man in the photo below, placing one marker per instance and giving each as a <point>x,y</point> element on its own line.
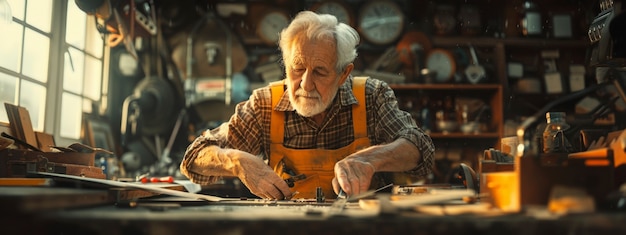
<point>318,128</point>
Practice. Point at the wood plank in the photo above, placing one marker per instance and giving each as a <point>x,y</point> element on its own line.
<point>13,121</point>
<point>21,125</point>
<point>22,199</point>
<point>27,126</point>
<point>26,181</point>
<point>44,141</point>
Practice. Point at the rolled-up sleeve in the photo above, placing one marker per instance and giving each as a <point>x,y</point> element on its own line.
<point>191,154</point>
<point>391,123</point>
<point>244,131</point>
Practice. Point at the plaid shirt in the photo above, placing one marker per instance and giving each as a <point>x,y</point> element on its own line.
<point>249,128</point>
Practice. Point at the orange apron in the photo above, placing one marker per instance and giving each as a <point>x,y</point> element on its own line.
<point>317,165</point>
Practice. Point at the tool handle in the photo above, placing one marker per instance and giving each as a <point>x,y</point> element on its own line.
<point>166,179</point>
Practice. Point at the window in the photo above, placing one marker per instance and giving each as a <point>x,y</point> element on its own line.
<point>52,64</point>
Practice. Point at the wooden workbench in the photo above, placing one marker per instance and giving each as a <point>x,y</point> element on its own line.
<point>89,211</point>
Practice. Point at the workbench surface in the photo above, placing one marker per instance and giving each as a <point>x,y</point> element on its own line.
<point>96,213</point>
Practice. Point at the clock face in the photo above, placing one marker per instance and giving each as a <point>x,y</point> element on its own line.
<point>270,25</point>
<point>441,61</point>
<point>381,22</point>
<point>335,8</point>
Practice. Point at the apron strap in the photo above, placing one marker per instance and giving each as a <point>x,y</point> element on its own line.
<point>277,120</point>
<point>359,114</point>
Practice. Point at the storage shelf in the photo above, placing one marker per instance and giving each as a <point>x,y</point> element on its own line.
<point>460,135</point>
<point>446,86</point>
<point>510,42</point>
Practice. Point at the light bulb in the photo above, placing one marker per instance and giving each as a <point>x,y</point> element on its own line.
<point>6,17</point>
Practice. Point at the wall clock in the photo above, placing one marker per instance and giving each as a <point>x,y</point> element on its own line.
<point>381,22</point>
<point>441,61</point>
<point>336,8</point>
<point>270,24</point>
<point>124,64</point>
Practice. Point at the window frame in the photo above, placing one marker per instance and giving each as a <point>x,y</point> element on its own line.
<point>56,62</point>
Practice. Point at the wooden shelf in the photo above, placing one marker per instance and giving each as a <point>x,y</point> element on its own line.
<point>446,86</point>
<point>460,135</point>
<point>509,42</point>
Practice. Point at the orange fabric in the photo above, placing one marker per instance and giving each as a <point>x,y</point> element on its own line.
<point>316,164</point>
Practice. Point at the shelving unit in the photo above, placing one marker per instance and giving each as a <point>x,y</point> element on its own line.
<point>494,96</point>
<point>497,92</point>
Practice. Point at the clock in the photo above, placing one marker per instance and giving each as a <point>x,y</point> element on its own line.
<point>125,64</point>
<point>336,8</point>
<point>442,62</point>
<point>381,22</point>
<point>270,24</point>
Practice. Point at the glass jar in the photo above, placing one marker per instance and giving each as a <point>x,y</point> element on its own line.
<point>554,140</point>
<point>530,20</point>
<point>444,20</point>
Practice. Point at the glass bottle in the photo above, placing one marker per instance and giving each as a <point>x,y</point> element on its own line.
<point>425,116</point>
<point>554,140</point>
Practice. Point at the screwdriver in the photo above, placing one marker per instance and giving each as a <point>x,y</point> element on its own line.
<point>166,179</point>
<point>342,194</point>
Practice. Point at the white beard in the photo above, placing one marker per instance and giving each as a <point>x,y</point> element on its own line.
<point>309,104</point>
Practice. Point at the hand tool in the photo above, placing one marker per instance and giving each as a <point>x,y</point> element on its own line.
<point>342,198</point>
<point>291,180</point>
<point>166,179</point>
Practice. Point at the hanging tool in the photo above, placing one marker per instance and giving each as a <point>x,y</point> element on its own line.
<point>475,72</point>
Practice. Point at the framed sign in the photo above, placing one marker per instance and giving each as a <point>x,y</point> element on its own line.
<point>97,133</point>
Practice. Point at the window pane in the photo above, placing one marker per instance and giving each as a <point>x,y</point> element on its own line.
<point>71,116</point>
<point>36,53</point>
<point>95,43</point>
<point>33,98</point>
<point>74,71</point>
<point>93,78</point>
<point>39,14</point>
<point>88,106</point>
<point>17,8</point>
<point>8,94</point>
<point>76,25</point>
<point>11,46</point>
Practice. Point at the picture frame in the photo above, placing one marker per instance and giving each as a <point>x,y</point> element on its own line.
<point>97,133</point>
<point>562,25</point>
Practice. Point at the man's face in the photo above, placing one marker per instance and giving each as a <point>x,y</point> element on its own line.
<point>312,81</point>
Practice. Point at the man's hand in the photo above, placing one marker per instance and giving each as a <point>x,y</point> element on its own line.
<point>353,176</point>
<point>260,178</point>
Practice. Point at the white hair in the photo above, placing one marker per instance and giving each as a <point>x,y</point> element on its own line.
<point>321,26</point>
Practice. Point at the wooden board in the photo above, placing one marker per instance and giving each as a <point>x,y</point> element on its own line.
<point>27,126</point>
<point>21,125</point>
<point>13,120</point>
<point>154,188</point>
<point>44,141</point>
<point>22,199</point>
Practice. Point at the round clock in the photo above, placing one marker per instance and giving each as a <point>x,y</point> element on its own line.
<point>124,64</point>
<point>441,61</point>
<point>381,22</point>
<point>270,24</point>
<point>336,8</point>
